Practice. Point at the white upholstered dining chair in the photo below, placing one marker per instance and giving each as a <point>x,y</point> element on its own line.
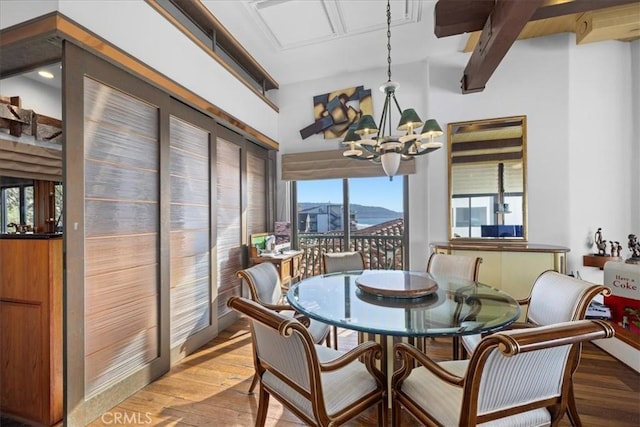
<point>554,298</point>
<point>516,377</point>
<point>320,385</point>
<point>455,266</point>
<point>263,282</point>
<point>334,262</point>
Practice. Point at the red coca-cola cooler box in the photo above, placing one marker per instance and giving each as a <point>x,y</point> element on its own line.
<point>624,281</point>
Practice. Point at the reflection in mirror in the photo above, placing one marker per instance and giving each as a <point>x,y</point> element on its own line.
<point>487,179</point>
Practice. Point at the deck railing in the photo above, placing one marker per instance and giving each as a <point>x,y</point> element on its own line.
<point>380,252</point>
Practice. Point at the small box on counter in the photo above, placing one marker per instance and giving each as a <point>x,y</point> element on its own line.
<point>624,281</point>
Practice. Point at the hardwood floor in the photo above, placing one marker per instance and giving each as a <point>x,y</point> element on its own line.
<point>209,388</point>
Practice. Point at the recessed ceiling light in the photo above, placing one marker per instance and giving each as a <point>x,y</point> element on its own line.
<point>45,74</point>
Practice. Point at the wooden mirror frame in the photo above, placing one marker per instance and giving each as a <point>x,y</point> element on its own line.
<point>499,142</point>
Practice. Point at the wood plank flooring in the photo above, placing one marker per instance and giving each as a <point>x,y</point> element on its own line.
<point>209,388</point>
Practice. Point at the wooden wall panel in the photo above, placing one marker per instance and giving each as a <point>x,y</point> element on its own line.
<point>121,213</point>
<point>22,359</point>
<point>229,205</point>
<point>31,329</point>
<point>189,167</point>
<point>114,253</point>
<point>257,194</point>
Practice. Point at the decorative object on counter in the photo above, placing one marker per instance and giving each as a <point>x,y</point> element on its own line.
<point>601,244</point>
<point>634,248</point>
<point>20,228</point>
<point>602,257</point>
<point>616,248</point>
<point>624,281</point>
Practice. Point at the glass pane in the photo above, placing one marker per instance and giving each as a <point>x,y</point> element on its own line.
<point>320,222</point>
<point>28,206</point>
<point>58,208</point>
<point>320,206</point>
<point>11,204</point>
<point>376,206</point>
<point>374,201</point>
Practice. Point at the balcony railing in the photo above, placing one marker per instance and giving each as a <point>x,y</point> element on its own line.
<point>380,252</point>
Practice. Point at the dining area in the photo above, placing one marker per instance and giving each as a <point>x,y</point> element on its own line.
<point>390,360</point>
<point>507,360</point>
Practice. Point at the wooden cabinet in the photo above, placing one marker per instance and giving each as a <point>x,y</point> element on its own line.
<point>513,267</point>
<point>31,332</point>
<point>288,265</point>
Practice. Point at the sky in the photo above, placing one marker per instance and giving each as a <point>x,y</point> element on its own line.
<point>362,191</point>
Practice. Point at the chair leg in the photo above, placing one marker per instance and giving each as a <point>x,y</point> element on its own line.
<point>263,407</point>
<point>335,337</point>
<point>254,382</point>
<point>456,348</point>
<point>572,410</point>
<point>395,413</point>
<point>382,414</point>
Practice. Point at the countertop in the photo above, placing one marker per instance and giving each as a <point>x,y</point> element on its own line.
<point>31,236</point>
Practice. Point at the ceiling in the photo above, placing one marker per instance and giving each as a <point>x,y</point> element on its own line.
<point>297,40</point>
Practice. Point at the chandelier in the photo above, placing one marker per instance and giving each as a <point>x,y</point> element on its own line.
<point>368,141</point>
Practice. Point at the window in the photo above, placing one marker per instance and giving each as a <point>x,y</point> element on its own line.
<point>193,18</point>
<point>16,203</point>
<point>372,222</point>
<point>58,197</point>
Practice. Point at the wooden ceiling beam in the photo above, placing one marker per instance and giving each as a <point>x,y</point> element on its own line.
<point>460,16</point>
<point>553,8</point>
<point>453,17</point>
<point>500,32</point>
<point>617,23</point>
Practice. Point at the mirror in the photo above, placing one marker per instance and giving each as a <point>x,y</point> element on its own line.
<point>487,179</point>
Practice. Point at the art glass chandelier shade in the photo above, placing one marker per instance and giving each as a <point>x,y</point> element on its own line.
<point>370,141</point>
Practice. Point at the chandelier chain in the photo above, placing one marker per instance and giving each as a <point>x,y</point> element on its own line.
<point>389,40</point>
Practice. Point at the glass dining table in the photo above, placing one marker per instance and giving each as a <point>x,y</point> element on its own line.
<point>383,305</point>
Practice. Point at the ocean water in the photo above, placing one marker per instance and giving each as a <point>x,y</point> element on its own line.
<point>368,222</point>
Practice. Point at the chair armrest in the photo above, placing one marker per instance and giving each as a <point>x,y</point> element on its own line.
<point>370,348</point>
<point>409,354</point>
<point>524,301</point>
<point>302,319</point>
<point>277,307</point>
<point>520,325</point>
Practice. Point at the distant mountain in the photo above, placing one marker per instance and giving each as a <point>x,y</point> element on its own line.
<point>362,212</point>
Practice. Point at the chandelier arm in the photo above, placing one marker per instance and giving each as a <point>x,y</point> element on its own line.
<point>383,125</point>
<point>360,157</point>
<point>370,150</point>
<point>397,104</point>
<point>426,151</point>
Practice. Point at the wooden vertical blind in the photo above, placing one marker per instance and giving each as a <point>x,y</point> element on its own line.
<point>121,234</point>
<point>256,194</point>
<point>229,237</point>
<point>190,230</point>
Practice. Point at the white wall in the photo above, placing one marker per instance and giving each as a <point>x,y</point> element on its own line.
<point>36,96</point>
<point>563,89</point>
<point>600,140</point>
<point>144,34</point>
<point>13,12</point>
<point>635,143</point>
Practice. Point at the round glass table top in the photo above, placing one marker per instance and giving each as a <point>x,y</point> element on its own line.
<point>456,307</point>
